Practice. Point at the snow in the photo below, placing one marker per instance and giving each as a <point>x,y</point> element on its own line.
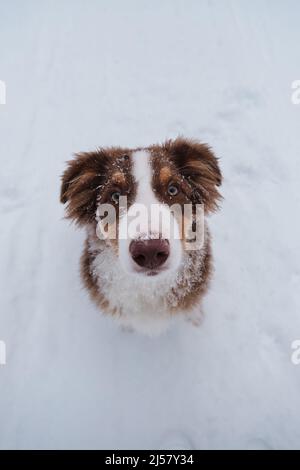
<point>80,75</point>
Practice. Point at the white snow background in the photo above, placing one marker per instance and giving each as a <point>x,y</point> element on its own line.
<point>82,74</point>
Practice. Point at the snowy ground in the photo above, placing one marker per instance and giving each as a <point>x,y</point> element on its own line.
<point>80,74</point>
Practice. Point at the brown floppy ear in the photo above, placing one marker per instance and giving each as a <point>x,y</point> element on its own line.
<point>197,163</point>
<point>73,170</point>
<point>81,184</point>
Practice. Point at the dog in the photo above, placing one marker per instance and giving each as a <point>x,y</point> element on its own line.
<point>149,277</point>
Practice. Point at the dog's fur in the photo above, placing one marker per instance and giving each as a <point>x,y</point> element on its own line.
<point>141,302</point>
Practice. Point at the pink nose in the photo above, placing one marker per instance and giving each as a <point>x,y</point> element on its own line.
<point>150,254</point>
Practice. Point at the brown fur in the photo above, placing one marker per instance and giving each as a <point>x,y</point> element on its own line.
<point>88,179</point>
<point>193,286</point>
<point>89,279</point>
<point>193,167</point>
<point>165,174</point>
<point>91,178</point>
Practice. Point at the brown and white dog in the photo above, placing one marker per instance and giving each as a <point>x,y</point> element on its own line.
<point>149,277</point>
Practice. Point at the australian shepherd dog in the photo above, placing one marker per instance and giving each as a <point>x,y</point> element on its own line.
<point>147,256</point>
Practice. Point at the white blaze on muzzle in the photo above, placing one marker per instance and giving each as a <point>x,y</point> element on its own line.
<point>147,218</point>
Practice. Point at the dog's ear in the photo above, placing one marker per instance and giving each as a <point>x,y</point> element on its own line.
<point>197,163</point>
<point>81,184</point>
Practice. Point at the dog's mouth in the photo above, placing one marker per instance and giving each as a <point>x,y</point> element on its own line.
<point>156,272</point>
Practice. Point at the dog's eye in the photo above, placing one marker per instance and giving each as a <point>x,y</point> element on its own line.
<point>115,196</point>
<point>173,190</point>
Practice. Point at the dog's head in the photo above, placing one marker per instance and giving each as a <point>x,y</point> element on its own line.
<point>142,187</point>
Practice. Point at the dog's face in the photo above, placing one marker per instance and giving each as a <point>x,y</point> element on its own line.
<point>152,181</point>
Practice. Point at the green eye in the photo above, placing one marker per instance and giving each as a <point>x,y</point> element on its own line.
<point>173,190</point>
<point>115,196</point>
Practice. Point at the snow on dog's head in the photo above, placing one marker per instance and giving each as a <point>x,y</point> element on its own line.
<point>143,202</point>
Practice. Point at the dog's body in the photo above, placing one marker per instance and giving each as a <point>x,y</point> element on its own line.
<point>144,280</point>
